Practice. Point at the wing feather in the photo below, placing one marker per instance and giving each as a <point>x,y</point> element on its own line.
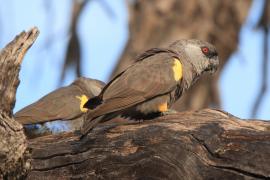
<point>140,82</point>
<point>59,104</point>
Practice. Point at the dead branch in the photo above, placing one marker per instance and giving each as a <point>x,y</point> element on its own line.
<point>189,145</point>
<point>13,141</point>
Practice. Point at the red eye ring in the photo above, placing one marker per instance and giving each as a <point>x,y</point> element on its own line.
<point>205,50</point>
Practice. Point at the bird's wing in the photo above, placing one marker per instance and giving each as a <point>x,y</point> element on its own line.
<point>144,80</point>
<point>64,103</point>
<point>155,76</point>
<point>91,87</point>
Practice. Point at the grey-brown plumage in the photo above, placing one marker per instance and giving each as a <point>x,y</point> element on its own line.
<point>65,103</point>
<point>156,80</point>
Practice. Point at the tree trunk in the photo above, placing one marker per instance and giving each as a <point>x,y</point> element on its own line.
<point>205,144</point>
<point>156,23</point>
<point>13,156</point>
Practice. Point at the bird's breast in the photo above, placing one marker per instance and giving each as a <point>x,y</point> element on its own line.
<point>158,104</point>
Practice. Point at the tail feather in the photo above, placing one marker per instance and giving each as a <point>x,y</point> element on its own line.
<point>91,122</point>
<point>92,103</point>
<point>89,125</point>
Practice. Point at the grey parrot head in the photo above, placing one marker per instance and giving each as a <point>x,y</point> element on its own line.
<point>201,55</point>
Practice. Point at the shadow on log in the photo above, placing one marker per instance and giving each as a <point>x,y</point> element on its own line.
<point>205,144</point>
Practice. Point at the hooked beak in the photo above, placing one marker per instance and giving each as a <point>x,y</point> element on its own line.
<point>213,70</point>
<point>213,66</point>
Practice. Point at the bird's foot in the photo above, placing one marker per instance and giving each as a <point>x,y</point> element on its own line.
<point>169,112</point>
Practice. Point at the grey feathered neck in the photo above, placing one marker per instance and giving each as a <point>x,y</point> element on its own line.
<point>190,75</point>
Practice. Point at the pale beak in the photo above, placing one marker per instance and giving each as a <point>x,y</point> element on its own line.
<point>214,62</point>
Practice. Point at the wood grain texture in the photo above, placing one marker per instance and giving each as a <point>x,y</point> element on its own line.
<point>10,62</point>
<point>205,144</point>
<point>12,139</point>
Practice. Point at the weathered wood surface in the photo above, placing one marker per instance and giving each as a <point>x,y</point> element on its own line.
<point>12,138</point>
<point>206,144</point>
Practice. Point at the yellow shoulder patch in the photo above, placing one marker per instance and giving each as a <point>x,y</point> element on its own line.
<point>177,70</point>
<point>83,98</point>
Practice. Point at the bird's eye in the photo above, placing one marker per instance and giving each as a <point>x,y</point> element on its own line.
<point>205,50</point>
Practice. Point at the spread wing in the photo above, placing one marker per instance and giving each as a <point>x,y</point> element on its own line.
<point>144,80</point>
<point>64,103</point>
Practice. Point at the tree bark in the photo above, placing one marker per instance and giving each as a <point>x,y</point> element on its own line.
<point>205,144</point>
<point>13,142</point>
<point>157,23</point>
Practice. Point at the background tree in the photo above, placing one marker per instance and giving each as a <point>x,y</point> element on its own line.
<point>155,23</point>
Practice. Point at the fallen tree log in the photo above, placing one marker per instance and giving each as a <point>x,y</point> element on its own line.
<point>205,144</point>
<point>189,145</point>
